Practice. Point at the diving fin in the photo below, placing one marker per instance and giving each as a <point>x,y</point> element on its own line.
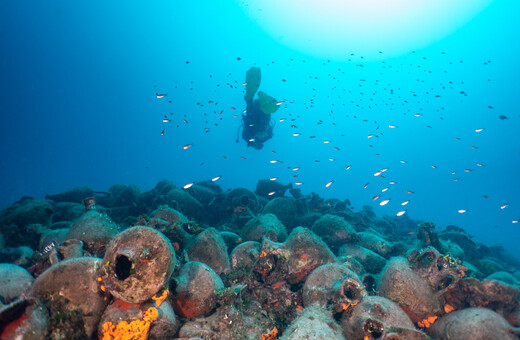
<point>267,103</point>
<point>253,77</point>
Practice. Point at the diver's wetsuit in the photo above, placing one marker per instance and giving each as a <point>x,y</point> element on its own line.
<point>257,125</point>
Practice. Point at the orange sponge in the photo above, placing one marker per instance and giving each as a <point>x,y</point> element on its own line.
<point>135,330</point>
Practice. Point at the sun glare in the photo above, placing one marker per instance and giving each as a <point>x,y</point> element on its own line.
<point>336,28</point>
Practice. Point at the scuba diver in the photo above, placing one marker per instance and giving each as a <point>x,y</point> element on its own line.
<point>256,123</point>
<point>258,127</point>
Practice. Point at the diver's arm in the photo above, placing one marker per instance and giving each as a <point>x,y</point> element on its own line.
<point>249,105</point>
<point>270,130</point>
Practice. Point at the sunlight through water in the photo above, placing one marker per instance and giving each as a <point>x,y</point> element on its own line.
<point>337,28</point>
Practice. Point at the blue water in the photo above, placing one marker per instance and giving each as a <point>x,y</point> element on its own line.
<point>78,84</point>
